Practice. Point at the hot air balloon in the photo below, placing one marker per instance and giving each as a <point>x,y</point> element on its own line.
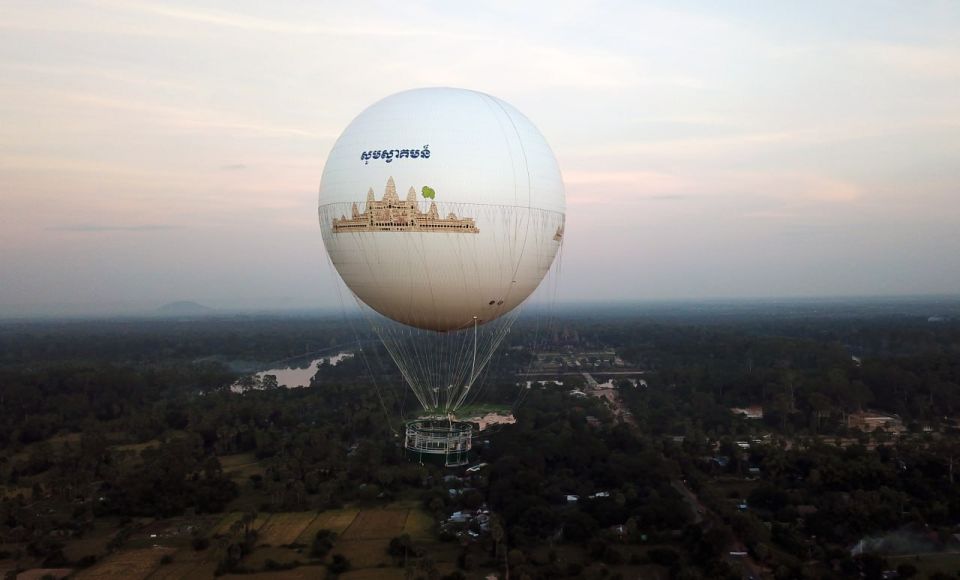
<point>442,210</point>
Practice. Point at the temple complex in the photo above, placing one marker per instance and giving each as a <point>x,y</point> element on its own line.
<point>393,215</point>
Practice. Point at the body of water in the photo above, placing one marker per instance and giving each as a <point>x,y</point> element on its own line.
<point>294,377</point>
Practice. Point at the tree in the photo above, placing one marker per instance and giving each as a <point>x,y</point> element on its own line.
<point>269,382</point>
<point>322,543</point>
<point>338,564</point>
<point>497,535</point>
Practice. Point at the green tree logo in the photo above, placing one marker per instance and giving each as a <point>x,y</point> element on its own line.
<point>428,192</point>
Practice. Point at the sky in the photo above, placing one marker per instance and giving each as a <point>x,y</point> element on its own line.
<point>161,151</point>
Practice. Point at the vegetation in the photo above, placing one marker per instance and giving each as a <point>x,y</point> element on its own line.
<point>117,436</point>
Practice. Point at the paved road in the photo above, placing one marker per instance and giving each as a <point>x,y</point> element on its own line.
<point>612,397</point>
<point>705,517</point>
<point>701,515</point>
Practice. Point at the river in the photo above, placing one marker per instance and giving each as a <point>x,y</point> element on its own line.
<point>293,376</point>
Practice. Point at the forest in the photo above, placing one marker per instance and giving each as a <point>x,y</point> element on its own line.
<point>126,449</point>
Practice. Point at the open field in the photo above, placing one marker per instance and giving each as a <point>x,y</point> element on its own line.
<point>224,528</point>
<point>419,524</point>
<point>260,556</point>
<point>376,524</point>
<point>136,447</point>
<point>184,571</point>
<point>41,573</point>
<point>282,529</point>
<point>241,466</point>
<point>188,565</point>
<point>301,573</point>
<point>93,543</point>
<point>389,573</point>
<point>126,565</point>
<point>333,520</point>
<point>363,537</point>
<point>365,541</point>
<point>477,409</point>
<point>364,553</point>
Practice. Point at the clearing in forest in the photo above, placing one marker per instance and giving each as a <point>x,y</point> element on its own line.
<point>333,520</point>
<point>126,565</point>
<point>365,553</point>
<point>419,524</point>
<point>226,525</point>
<point>241,466</point>
<point>391,573</point>
<point>376,524</point>
<point>301,573</point>
<point>282,529</point>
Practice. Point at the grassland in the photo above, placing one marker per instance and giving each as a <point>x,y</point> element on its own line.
<point>282,529</point>
<point>241,466</point>
<point>126,565</point>
<point>376,524</point>
<point>93,542</point>
<point>478,409</point>
<point>162,550</point>
<point>333,520</point>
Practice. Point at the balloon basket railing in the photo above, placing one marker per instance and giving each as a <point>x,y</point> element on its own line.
<point>439,441</point>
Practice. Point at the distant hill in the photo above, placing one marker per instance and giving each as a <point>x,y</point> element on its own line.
<point>184,308</point>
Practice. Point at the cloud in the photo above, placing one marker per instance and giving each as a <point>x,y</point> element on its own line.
<point>187,118</point>
<point>233,166</point>
<point>940,63</point>
<point>776,195</point>
<point>668,197</point>
<point>112,228</point>
<point>304,26</point>
<point>793,186</point>
<point>588,187</point>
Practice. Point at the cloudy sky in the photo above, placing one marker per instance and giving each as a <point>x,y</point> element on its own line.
<point>157,151</point>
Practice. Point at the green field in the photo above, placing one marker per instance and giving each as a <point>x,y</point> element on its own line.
<point>126,565</point>
<point>282,529</point>
<point>477,409</point>
<point>241,466</point>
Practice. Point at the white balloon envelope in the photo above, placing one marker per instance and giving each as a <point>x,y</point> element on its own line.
<point>442,209</point>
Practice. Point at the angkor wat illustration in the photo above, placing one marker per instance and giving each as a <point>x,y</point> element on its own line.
<point>393,215</point>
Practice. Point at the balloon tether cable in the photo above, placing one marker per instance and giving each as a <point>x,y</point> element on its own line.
<point>473,366</point>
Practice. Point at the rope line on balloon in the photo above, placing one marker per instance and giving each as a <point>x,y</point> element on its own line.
<point>380,327</point>
<point>517,263</point>
<point>541,318</point>
<point>526,166</point>
<point>506,328</point>
<point>335,277</point>
<point>364,312</point>
<point>472,377</point>
<point>426,369</point>
<point>551,287</point>
<point>549,318</point>
<point>499,329</point>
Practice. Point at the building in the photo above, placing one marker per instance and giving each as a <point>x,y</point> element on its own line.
<point>751,412</point>
<point>872,420</point>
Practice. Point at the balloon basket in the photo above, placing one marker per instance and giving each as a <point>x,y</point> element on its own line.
<point>439,441</point>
